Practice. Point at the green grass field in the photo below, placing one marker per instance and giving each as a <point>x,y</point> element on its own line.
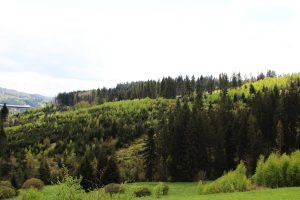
<point>187,191</point>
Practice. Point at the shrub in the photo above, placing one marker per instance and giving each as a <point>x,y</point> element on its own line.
<point>258,177</point>
<point>7,192</point>
<point>102,195</point>
<point>70,188</point>
<point>6,183</point>
<point>32,194</point>
<point>33,183</point>
<point>234,181</point>
<point>142,191</point>
<point>200,187</point>
<point>278,171</point>
<point>113,188</point>
<point>272,171</point>
<point>293,170</point>
<point>161,189</point>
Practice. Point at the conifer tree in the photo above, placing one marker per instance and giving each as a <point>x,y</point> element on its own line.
<point>14,182</point>
<point>111,173</point>
<point>280,136</point>
<point>149,154</point>
<point>3,139</point>
<point>44,172</point>
<point>86,171</point>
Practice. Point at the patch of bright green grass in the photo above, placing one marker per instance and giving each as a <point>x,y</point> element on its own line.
<point>187,191</point>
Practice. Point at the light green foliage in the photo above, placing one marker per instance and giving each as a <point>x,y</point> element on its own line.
<point>233,181</point>
<point>161,189</point>
<point>258,177</point>
<point>272,171</point>
<point>293,169</point>
<point>184,191</point>
<point>278,170</point>
<point>70,188</point>
<point>200,187</point>
<point>32,194</point>
<point>280,82</point>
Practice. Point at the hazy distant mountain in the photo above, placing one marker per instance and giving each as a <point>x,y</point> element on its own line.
<point>21,98</point>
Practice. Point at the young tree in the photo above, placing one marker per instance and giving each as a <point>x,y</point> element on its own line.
<point>44,172</point>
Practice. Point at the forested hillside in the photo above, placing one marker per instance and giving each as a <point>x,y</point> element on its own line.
<point>166,130</point>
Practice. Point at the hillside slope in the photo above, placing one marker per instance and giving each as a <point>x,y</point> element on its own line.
<point>215,136</point>
<point>21,98</point>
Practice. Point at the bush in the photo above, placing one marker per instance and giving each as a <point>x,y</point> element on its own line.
<point>161,189</point>
<point>70,188</point>
<point>278,171</point>
<point>33,183</point>
<point>234,181</point>
<point>113,188</point>
<point>142,192</point>
<point>7,192</point>
<point>258,177</point>
<point>32,194</point>
<point>293,170</point>
<point>102,195</point>
<point>6,183</point>
<point>200,187</point>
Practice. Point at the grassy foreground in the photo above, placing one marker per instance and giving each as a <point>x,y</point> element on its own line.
<point>187,191</point>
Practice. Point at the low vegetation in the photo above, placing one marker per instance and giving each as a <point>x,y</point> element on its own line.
<point>33,183</point>
<point>278,170</point>
<point>161,189</point>
<point>234,181</point>
<point>7,192</point>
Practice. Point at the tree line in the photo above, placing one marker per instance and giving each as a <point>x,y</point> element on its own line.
<point>168,87</point>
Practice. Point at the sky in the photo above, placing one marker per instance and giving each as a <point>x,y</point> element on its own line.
<point>51,46</point>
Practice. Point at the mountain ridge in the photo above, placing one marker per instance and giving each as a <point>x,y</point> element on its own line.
<point>11,96</point>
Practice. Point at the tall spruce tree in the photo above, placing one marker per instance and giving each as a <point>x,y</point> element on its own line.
<point>86,172</point>
<point>280,136</point>
<point>149,154</point>
<point>3,139</point>
<point>111,173</point>
<point>44,172</point>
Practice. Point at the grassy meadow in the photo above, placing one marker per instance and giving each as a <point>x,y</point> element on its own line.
<point>187,191</point>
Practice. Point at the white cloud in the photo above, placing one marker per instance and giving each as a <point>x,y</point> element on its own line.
<point>35,83</point>
<point>113,41</point>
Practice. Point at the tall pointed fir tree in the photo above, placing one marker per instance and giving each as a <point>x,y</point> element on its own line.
<point>149,154</point>
<point>280,136</point>
<point>180,165</point>
<point>44,172</point>
<point>111,173</point>
<point>197,140</point>
<point>86,172</point>
<point>3,139</point>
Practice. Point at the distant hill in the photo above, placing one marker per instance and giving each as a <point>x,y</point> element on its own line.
<point>21,98</point>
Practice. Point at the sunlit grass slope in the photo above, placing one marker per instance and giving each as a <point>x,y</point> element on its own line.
<point>187,191</point>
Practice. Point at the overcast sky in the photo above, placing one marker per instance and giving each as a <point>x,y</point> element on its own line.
<point>51,46</point>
